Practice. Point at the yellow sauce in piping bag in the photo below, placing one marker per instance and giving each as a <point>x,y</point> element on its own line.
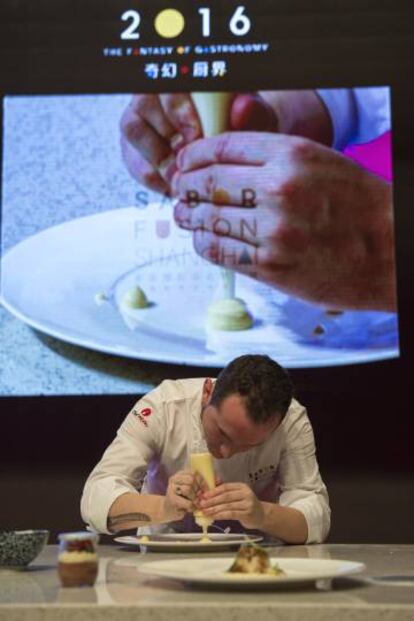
<point>203,464</point>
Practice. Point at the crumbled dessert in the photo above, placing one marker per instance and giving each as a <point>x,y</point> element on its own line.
<point>253,559</point>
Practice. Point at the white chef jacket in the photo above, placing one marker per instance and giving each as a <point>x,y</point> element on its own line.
<point>164,427</point>
<point>358,114</point>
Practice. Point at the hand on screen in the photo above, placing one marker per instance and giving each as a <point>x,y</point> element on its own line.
<point>153,128</point>
<point>299,113</point>
<point>319,227</point>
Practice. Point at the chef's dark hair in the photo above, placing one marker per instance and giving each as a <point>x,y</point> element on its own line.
<point>264,385</point>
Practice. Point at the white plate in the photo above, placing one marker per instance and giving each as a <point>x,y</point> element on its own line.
<point>51,280</point>
<point>190,542</point>
<point>213,572</point>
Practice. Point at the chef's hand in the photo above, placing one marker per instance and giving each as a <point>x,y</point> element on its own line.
<point>319,226</point>
<point>233,501</point>
<point>155,127</point>
<point>181,495</point>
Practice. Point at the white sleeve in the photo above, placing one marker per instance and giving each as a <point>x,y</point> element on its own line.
<point>358,114</point>
<point>300,482</point>
<point>123,466</point>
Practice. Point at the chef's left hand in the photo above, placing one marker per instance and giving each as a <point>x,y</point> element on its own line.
<point>233,501</point>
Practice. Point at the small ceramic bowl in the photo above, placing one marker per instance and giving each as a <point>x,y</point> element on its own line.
<point>18,548</point>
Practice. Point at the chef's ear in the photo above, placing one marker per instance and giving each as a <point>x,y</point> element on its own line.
<point>208,388</point>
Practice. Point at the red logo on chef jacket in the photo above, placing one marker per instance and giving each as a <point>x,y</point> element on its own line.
<point>142,415</point>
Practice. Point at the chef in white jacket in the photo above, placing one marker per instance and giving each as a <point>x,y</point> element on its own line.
<point>262,445</point>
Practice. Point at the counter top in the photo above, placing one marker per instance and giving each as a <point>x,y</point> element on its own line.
<point>122,593</point>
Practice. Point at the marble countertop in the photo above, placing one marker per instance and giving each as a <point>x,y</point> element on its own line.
<point>122,593</point>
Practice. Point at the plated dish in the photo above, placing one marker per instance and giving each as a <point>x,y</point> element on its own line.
<point>188,542</point>
<point>214,572</point>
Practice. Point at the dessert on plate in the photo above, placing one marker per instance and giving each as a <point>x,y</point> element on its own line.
<point>253,559</point>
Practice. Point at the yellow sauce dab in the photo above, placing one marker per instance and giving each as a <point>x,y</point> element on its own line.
<point>229,314</point>
<point>205,538</point>
<point>135,298</point>
<point>144,539</point>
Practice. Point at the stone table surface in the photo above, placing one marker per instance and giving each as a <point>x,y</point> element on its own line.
<point>122,593</point>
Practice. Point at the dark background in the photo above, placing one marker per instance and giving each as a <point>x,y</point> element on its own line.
<point>361,414</point>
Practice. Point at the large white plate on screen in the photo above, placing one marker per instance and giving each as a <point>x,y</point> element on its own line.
<point>53,280</point>
<point>213,572</point>
<point>189,542</point>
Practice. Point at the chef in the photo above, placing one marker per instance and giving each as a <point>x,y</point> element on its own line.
<point>263,451</point>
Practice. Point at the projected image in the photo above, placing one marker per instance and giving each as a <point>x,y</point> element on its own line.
<point>190,228</point>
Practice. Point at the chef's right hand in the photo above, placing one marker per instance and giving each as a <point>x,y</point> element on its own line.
<point>155,127</point>
<point>182,493</point>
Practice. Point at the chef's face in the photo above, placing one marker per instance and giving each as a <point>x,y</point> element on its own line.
<point>228,428</point>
